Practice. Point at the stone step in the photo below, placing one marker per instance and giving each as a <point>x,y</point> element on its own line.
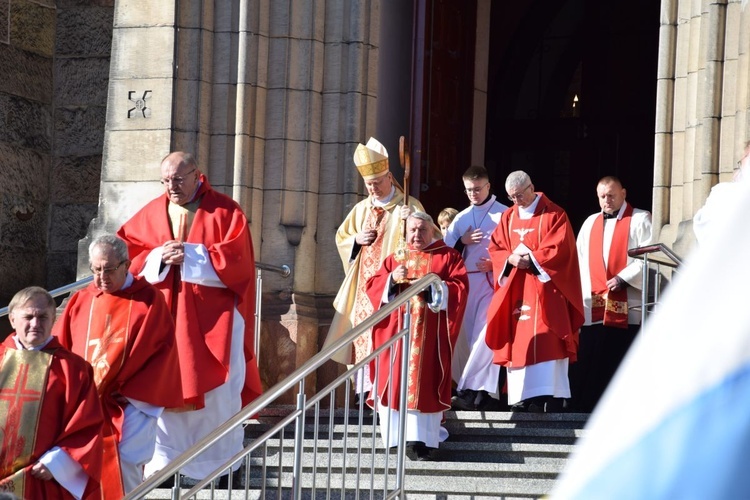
<point>451,451</point>
<point>514,456</point>
<point>351,462</point>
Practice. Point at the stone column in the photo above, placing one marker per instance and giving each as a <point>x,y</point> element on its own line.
<point>665,114</point>
<point>138,129</point>
<point>272,97</point>
<point>394,72</point>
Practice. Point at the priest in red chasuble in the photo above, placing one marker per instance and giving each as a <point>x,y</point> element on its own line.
<point>50,415</point>
<point>433,335</point>
<point>122,326</point>
<point>193,243</point>
<point>611,283</point>
<point>364,239</point>
<point>537,308</point>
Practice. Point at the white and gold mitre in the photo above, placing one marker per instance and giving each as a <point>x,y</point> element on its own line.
<point>371,160</point>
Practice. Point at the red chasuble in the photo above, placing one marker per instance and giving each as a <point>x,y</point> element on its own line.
<point>432,335</point>
<point>203,319</point>
<point>607,306</point>
<point>528,321</point>
<point>128,338</point>
<point>47,399</point>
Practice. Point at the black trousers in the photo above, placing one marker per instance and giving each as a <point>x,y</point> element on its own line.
<point>600,351</point>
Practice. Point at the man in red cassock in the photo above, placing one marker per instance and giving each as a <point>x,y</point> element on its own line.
<point>121,325</point>
<point>537,309</point>
<point>433,335</point>
<point>194,244</point>
<point>50,416</point>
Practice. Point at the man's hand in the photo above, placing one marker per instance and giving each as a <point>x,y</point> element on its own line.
<point>405,211</point>
<point>40,471</point>
<point>366,237</point>
<point>173,252</point>
<point>399,274</point>
<point>484,265</point>
<point>616,284</point>
<point>520,261</point>
<point>472,236</point>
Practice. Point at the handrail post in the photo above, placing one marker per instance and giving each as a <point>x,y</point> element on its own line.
<point>644,290</point>
<point>258,300</point>
<point>403,388</point>
<point>299,438</point>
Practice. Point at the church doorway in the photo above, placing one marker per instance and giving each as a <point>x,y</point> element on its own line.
<point>570,97</point>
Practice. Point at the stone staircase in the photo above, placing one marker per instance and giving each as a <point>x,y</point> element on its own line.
<point>489,454</point>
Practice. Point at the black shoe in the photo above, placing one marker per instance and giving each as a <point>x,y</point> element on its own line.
<point>485,402</point>
<point>537,404</point>
<point>426,454</point>
<point>167,483</point>
<point>464,400</point>
<point>519,407</point>
<point>415,450</point>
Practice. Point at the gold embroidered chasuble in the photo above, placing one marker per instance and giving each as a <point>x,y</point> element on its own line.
<point>23,379</point>
<point>432,335</point>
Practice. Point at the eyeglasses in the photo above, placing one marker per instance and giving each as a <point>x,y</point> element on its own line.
<point>176,181</point>
<point>519,195</point>
<point>107,270</point>
<point>475,190</point>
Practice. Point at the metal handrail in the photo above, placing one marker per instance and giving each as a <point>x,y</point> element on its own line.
<point>296,377</point>
<point>63,290</point>
<point>284,270</point>
<point>643,253</point>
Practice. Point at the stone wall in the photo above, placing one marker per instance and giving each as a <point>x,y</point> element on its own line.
<point>81,76</point>
<point>54,57</point>
<point>702,120</point>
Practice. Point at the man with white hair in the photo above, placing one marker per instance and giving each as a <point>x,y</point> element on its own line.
<point>433,335</point>
<point>122,325</point>
<point>537,310</point>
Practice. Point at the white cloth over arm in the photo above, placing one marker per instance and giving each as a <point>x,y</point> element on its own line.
<point>66,471</point>
<point>197,267</point>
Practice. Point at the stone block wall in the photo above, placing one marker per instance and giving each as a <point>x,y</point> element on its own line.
<point>81,74</point>
<point>27,32</point>
<point>54,57</point>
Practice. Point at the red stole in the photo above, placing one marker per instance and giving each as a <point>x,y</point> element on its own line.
<point>418,264</point>
<point>106,340</point>
<point>606,305</point>
<point>23,378</point>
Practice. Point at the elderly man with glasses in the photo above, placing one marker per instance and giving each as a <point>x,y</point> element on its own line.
<point>534,318</point>
<point>475,374</point>
<point>194,244</point>
<point>121,325</point>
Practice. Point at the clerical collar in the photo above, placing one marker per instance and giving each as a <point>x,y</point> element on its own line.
<point>613,215</point>
<point>22,347</point>
<point>489,197</point>
<point>192,198</point>
<point>387,200</point>
<point>128,281</point>
<point>528,212</point>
